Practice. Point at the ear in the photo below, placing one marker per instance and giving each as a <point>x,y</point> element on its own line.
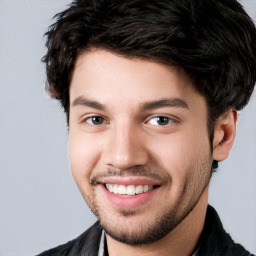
<point>224,135</point>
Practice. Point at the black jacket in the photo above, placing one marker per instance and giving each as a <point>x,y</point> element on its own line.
<point>214,241</point>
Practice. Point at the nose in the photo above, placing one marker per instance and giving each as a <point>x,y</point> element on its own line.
<point>126,148</point>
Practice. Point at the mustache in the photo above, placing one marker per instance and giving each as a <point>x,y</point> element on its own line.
<point>142,171</point>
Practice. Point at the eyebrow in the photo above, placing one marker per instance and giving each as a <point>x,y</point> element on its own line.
<point>149,105</point>
<point>170,102</point>
<point>81,101</point>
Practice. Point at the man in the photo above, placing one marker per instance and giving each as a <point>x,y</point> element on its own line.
<point>151,90</point>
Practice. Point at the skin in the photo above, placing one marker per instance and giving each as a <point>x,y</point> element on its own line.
<point>128,144</point>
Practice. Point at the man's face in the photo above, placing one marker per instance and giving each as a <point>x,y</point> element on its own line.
<point>138,144</point>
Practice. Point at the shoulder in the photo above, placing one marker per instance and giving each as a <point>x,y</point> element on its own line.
<point>88,243</point>
<point>216,241</point>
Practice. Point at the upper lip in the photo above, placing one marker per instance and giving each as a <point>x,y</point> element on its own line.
<point>129,181</point>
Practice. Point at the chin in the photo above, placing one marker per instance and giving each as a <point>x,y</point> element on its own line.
<point>132,229</point>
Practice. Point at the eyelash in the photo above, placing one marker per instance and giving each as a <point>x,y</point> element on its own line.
<point>91,117</point>
<point>170,120</point>
<point>164,118</point>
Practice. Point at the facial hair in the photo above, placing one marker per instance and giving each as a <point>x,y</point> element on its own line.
<point>170,216</point>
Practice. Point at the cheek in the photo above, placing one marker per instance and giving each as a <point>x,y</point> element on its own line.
<point>179,154</point>
<point>83,154</point>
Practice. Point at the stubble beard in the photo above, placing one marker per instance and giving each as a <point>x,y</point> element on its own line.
<point>162,223</point>
<point>150,231</point>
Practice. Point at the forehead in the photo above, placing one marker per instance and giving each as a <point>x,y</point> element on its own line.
<point>118,80</point>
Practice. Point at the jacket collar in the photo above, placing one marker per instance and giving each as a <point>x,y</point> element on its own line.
<point>214,240</point>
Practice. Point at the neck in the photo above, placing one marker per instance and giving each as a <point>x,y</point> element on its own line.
<point>179,242</point>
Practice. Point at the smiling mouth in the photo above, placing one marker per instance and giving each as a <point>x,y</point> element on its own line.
<point>130,190</point>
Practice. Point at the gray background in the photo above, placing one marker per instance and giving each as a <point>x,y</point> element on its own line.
<point>40,205</point>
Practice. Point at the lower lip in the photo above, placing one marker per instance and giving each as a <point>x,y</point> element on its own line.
<point>129,201</point>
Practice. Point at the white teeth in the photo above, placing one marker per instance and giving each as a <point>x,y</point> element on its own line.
<point>122,190</point>
<point>139,189</point>
<point>110,187</point>
<point>115,189</point>
<point>129,190</point>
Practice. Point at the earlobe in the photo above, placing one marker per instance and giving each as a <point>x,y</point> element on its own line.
<point>224,135</point>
